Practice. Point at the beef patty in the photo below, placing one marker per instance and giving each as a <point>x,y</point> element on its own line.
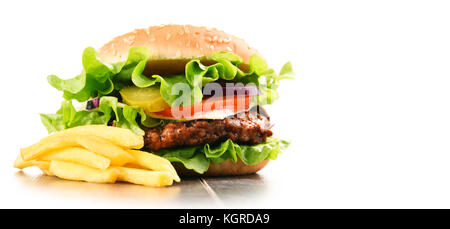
<point>248,127</point>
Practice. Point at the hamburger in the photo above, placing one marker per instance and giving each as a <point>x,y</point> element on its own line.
<point>195,95</point>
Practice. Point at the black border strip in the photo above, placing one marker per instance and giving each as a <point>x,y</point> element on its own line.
<point>260,218</point>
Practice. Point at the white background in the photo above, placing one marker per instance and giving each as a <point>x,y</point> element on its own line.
<point>368,114</point>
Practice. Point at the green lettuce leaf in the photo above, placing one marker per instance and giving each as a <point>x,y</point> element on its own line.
<point>198,158</point>
<point>188,157</point>
<point>99,78</point>
<point>269,88</point>
<point>109,110</point>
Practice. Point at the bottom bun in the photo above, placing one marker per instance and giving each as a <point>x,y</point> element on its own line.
<point>226,168</point>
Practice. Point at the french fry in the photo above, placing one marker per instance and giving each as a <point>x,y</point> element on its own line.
<point>154,162</point>
<point>46,172</point>
<point>79,156</point>
<point>44,166</point>
<point>100,154</point>
<point>119,136</point>
<point>145,177</point>
<point>20,164</point>
<point>117,155</point>
<point>71,171</point>
<point>38,149</point>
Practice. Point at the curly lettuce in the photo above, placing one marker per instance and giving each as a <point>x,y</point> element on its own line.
<point>198,158</point>
<point>99,78</point>
<point>109,110</point>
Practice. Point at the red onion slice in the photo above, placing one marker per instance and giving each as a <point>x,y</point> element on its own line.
<point>92,104</point>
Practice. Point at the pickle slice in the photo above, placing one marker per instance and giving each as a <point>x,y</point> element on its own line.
<point>148,98</point>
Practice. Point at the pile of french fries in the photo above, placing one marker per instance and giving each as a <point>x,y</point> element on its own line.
<point>97,153</point>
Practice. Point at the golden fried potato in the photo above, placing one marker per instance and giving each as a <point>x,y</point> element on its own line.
<point>79,156</point>
<point>71,171</point>
<point>95,144</point>
<point>21,164</point>
<point>46,172</point>
<point>145,177</point>
<point>44,166</point>
<point>119,136</point>
<point>154,162</point>
<point>100,154</point>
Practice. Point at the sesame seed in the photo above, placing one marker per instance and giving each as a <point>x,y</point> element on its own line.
<point>152,39</point>
<point>214,38</point>
<point>229,49</point>
<point>211,47</point>
<point>129,40</point>
<point>168,36</point>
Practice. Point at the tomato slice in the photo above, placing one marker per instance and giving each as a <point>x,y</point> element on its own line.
<point>209,108</point>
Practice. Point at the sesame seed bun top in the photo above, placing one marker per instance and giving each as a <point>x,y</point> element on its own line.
<point>172,46</point>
